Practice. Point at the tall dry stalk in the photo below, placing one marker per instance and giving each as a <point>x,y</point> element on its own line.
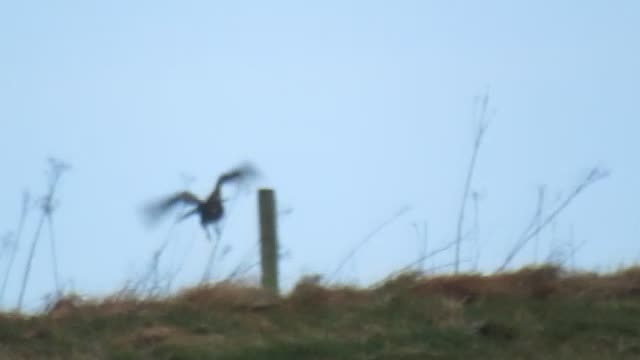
<point>535,227</point>
<point>26,201</point>
<point>368,238</point>
<point>538,219</point>
<point>57,168</point>
<point>482,118</point>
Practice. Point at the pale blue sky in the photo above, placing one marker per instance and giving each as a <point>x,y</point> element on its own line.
<point>351,110</point>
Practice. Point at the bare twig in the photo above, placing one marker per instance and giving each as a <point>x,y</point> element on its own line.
<point>6,244</point>
<point>25,276</point>
<point>57,168</point>
<point>425,257</point>
<point>206,276</point>
<point>573,248</point>
<point>443,266</point>
<point>241,270</point>
<point>23,216</point>
<point>475,195</point>
<point>178,269</point>
<point>368,238</point>
<point>425,271</point>
<point>187,181</point>
<point>149,283</point>
<point>242,267</point>
<point>54,255</point>
<point>560,257</point>
<point>595,175</point>
<point>483,120</point>
<point>423,237</point>
<point>538,218</point>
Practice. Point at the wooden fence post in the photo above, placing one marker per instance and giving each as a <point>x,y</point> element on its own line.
<point>268,239</point>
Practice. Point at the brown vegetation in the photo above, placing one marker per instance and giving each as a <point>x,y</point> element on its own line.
<point>499,316</point>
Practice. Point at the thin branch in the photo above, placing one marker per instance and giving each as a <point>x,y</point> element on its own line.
<point>594,176</point>
<point>23,216</point>
<point>206,276</point>
<point>242,267</point>
<point>427,270</point>
<point>148,283</point>
<point>423,237</point>
<point>5,243</point>
<point>475,195</point>
<point>178,269</point>
<point>425,257</point>
<point>483,124</point>
<point>27,270</point>
<point>368,238</point>
<point>57,168</point>
<point>444,266</point>
<point>241,270</point>
<point>538,218</point>
<point>54,255</point>
<point>187,181</point>
<point>562,258</point>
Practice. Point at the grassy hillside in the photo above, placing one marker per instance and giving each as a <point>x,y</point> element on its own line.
<point>540,313</point>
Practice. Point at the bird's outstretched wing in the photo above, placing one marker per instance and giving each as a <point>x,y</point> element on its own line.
<point>238,174</point>
<point>155,211</point>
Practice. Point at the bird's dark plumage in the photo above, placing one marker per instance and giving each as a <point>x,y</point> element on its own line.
<point>211,210</point>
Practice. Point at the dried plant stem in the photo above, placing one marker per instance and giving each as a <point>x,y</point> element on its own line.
<point>536,226</point>
<point>27,269</point>
<point>368,238</point>
<point>57,168</point>
<point>483,124</point>
<point>23,216</point>
<point>54,255</point>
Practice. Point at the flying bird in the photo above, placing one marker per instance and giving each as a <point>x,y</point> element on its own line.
<point>211,209</point>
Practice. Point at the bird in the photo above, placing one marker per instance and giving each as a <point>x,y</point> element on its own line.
<point>211,209</point>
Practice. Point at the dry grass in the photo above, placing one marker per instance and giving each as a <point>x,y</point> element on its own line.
<point>532,282</point>
<point>501,316</point>
<point>529,282</point>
